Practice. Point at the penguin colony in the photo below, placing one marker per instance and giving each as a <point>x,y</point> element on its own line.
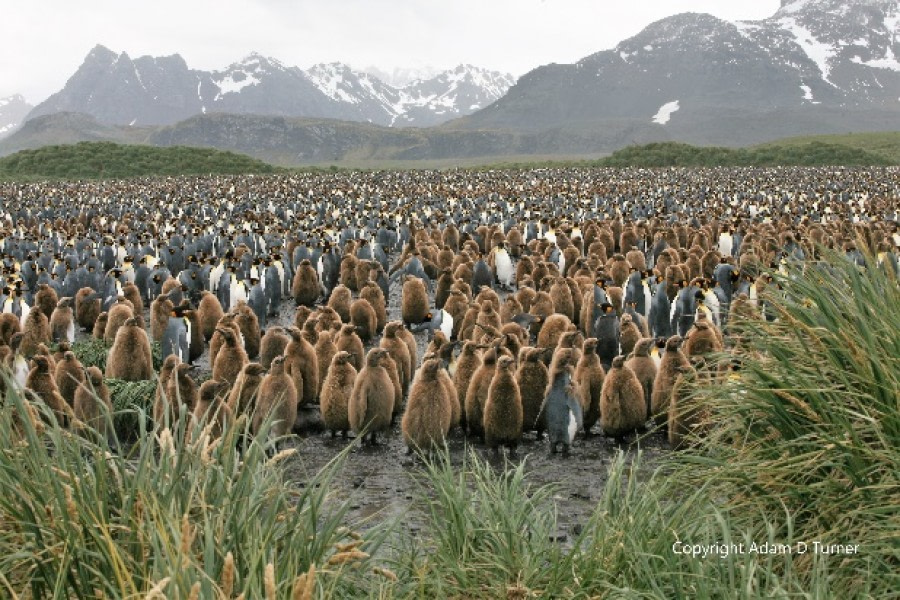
<point>566,302</point>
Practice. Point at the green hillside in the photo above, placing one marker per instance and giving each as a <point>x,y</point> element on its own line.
<point>886,144</point>
<point>87,160</point>
<point>808,154</point>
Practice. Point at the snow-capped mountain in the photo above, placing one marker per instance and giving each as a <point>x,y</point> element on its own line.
<point>815,66</point>
<point>13,111</point>
<point>422,102</point>
<point>115,89</point>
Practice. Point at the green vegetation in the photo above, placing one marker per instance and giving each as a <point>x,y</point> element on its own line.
<point>811,154</point>
<point>801,447</point>
<point>90,160</point>
<point>886,144</point>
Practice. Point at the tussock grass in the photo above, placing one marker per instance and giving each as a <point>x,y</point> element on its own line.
<point>77,520</point>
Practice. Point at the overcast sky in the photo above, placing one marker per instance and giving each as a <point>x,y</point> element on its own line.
<point>42,42</point>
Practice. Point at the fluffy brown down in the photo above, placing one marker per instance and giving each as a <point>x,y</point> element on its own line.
<point>428,414</point>
<point>503,408</point>
<point>334,401</point>
<point>622,406</point>
<point>130,357</point>
<point>372,398</point>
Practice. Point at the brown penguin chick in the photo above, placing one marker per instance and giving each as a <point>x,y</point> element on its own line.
<point>46,300</point>
<point>428,415</point>
<point>133,295</point>
<point>685,418</point>
<point>414,305</point>
<point>525,296</point>
<point>92,401</point>
<point>561,296</point>
<point>701,339</point>
<point>445,380</point>
<point>160,309</point>
<point>487,323</point>
<point>362,316</point>
<point>242,396</point>
<point>161,402</point>
<point>348,269</point>
<point>456,306</point>
<point>533,378</point>
<point>36,331</point>
<point>644,368</point>
<point>68,375</point>
<point>477,391</point>
<point>100,326</point>
<point>61,350</point>
<point>503,409</point>
<point>467,364</point>
<point>325,350</point>
<point>212,407</point>
<point>372,399</point>
<point>486,294</point>
<point>616,297</point>
<point>542,307</point>
<point>209,311</point>
<point>62,321</point>
<point>467,329</point>
<point>371,293</point>
<point>130,357</point>
<point>442,289</point>
<point>228,321</point>
<point>636,259</point>
<point>169,285</point>
<point>406,335</point>
<point>672,361</point>
<point>272,344</point>
<point>589,374</point>
<point>553,328</point>
<point>276,399</point>
<point>622,405</point>
<point>305,288</point>
<point>248,324</point>
<point>392,369</point>
<point>510,308</point>
<point>327,319</point>
<point>334,401</point>
<point>231,357</point>
<point>303,313</point>
<point>9,326</point>
<point>629,334</point>
<point>398,350</point>
<point>182,390</point>
<point>618,269</point>
<point>40,381</point>
<point>116,316</point>
<point>86,310</point>
<point>348,341</point>
<point>311,329</point>
<point>340,300</point>
<point>302,365</point>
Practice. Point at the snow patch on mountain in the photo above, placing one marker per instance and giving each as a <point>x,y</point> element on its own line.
<point>889,61</point>
<point>665,112</point>
<point>819,52</point>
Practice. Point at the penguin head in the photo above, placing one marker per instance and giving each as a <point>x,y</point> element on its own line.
<point>673,343</point>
